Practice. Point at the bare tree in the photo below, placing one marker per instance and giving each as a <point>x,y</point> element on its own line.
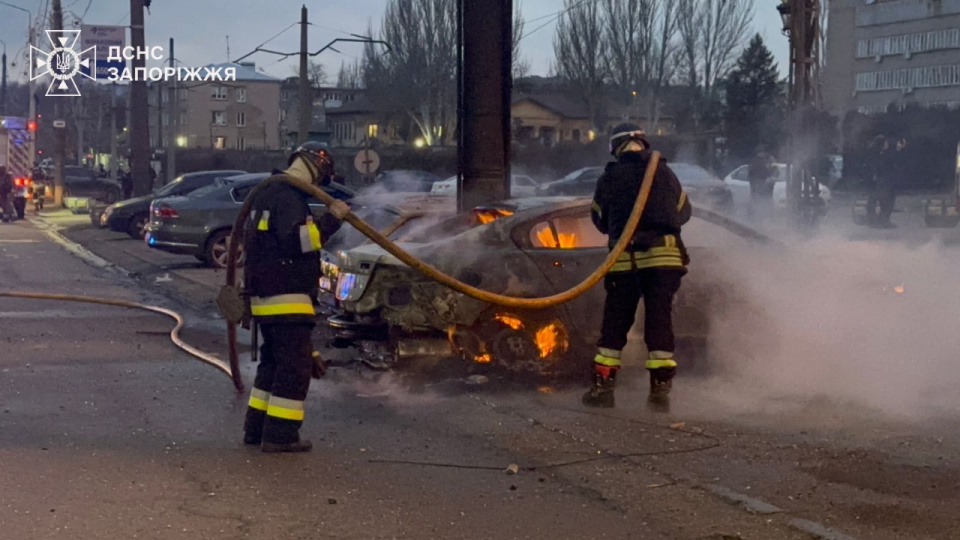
<point>664,55</point>
<point>689,22</point>
<point>315,72</point>
<point>417,79</point>
<point>712,31</point>
<point>581,52</point>
<point>521,66</point>
<point>628,32</point>
<point>350,75</point>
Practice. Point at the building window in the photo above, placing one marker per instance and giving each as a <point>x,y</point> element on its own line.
<point>183,118</point>
<point>241,119</point>
<point>241,95</point>
<point>165,120</point>
<point>184,93</point>
<point>218,93</point>
<point>920,42</point>
<point>218,118</point>
<point>373,130</point>
<point>164,95</point>
<point>908,79</point>
<point>241,143</point>
<point>283,115</point>
<point>220,143</point>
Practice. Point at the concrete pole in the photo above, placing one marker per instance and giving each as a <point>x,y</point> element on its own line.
<point>173,126</point>
<point>3,87</point>
<point>486,87</point>
<point>305,99</point>
<point>114,160</point>
<point>60,134</point>
<point>139,110</point>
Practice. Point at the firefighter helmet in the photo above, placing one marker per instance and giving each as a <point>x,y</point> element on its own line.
<point>317,156</point>
<point>625,133</point>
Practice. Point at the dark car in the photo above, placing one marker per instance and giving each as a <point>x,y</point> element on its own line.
<point>703,187</point>
<point>132,215</point>
<point>579,183</point>
<point>404,181</point>
<point>522,248</point>
<point>199,224</point>
<point>84,183</point>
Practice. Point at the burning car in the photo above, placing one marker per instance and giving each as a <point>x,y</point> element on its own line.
<point>525,248</point>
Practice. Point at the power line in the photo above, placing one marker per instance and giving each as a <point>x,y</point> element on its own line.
<point>555,17</point>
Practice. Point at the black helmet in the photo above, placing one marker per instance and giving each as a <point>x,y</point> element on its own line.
<point>317,155</point>
<point>625,133</point>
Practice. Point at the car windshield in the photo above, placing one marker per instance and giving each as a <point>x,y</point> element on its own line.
<point>169,188</point>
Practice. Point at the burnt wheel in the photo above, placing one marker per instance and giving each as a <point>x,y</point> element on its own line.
<point>533,342</point>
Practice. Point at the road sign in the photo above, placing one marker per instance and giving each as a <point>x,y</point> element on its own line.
<point>59,124</point>
<point>367,161</point>
<point>103,37</point>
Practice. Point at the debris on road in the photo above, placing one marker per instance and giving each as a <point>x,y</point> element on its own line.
<point>513,468</point>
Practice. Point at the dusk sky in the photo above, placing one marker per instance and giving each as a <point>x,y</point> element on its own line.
<point>200,28</point>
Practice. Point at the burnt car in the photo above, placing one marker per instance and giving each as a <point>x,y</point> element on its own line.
<point>404,181</point>
<point>524,248</point>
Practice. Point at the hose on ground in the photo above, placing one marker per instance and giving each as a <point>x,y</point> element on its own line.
<point>424,268</point>
<point>174,334</point>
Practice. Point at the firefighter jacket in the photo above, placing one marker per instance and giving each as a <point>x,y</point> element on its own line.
<point>281,245</point>
<point>656,242</point>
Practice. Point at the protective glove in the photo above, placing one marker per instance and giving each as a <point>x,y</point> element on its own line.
<point>339,209</point>
<point>231,305</point>
<point>319,369</point>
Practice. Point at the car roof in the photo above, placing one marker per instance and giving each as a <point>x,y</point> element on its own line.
<point>224,172</point>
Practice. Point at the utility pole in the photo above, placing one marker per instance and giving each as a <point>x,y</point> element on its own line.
<point>139,110</point>
<point>305,99</point>
<point>3,88</point>
<point>173,125</point>
<point>114,160</point>
<point>56,23</point>
<point>485,89</point>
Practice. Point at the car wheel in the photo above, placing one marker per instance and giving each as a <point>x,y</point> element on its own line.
<point>218,248</point>
<point>137,225</point>
<point>526,342</point>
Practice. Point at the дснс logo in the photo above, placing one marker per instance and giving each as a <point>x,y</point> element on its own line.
<point>63,62</point>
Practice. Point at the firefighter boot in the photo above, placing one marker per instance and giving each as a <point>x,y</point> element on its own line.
<point>661,384</point>
<point>294,447</point>
<point>601,393</point>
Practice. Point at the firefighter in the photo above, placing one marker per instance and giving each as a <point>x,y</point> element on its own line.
<point>282,268</point>
<point>651,267</point>
<point>6,189</point>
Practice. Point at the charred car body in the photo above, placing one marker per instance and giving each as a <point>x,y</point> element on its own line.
<point>525,248</point>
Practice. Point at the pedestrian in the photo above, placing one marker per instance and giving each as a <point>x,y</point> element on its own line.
<point>651,267</point>
<point>882,171</point>
<point>153,177</point>
<point>761,175</point>
<point>6,189</point>
<point>282,269</point>
<point>126,183</point>
<point>102,172</point>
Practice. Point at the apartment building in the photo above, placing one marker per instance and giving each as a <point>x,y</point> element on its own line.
<point>891,53</point>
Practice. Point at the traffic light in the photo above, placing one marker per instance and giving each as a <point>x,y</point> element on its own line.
<point>31,125</point>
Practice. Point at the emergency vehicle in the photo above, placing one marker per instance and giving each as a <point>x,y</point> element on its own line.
<point>16,152</point>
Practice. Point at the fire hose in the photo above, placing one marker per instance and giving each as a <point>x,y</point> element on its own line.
<point>424,268</point>
<point>174,334</point>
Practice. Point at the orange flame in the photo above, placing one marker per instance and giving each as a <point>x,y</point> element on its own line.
<point>510,321</point>
<point>490,215</point>
<point>899,289</point>
<point>547,339</point>
<point>562,240</point>
<point>484,358</point>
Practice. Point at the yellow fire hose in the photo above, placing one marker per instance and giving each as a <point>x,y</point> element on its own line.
<point>174,334</point>
<point>426,269</point>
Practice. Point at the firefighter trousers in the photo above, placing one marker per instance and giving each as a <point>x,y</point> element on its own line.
<point>276,406</point>
<point>657,287</point>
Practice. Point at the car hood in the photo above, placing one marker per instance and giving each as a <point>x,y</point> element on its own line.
<point>136,201</point>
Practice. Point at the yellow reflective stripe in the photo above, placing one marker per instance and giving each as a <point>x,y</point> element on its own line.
<point>259,399</point>
<point>608,361</point>
<point>661,363</point>
<point>288,409</point>
<point>683,199</point>
<point>282,304</point>
<point>596,208</point>
<point>310,237</point>
<point>264,224</point>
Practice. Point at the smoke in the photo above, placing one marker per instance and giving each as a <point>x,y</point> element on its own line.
<point>862,323</point>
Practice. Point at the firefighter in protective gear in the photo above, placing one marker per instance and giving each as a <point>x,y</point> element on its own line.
<point>651,267</point>
<point>282,269</point>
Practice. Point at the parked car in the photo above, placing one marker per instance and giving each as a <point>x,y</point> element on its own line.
<point>739,183</point>
<point>523,247</point>
<point>200,223</point>
<point>581,182</point>
<point>132,215</point>
<point>702,187</point>
<point>521,185</point>
<point>405,181</point>
<point>84,183</point>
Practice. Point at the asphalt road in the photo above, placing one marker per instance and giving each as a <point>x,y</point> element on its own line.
<point>108,431</point>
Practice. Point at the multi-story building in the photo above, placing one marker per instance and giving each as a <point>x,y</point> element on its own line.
<point>239,115</point>
<point>891,53</point>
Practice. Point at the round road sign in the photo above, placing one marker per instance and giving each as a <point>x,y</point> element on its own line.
<point>367,161</point>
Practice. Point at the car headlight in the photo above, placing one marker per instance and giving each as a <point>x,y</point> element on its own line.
<point>109,211</point>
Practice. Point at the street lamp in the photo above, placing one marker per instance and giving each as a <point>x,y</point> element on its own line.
<point>785,15</point>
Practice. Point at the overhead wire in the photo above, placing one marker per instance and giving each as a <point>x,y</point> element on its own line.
<point>555,16</point>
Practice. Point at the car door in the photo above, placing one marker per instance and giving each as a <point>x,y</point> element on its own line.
<point>567,248</point>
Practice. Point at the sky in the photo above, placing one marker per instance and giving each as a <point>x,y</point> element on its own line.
<point>202,29</point>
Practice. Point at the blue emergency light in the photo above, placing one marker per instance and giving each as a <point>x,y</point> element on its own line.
<point>13,122</point>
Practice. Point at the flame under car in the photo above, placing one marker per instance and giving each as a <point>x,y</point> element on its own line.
<point>524,248</point>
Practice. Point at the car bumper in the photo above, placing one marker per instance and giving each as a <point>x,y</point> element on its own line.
<point>158,237</point>
<point>117,222</point>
